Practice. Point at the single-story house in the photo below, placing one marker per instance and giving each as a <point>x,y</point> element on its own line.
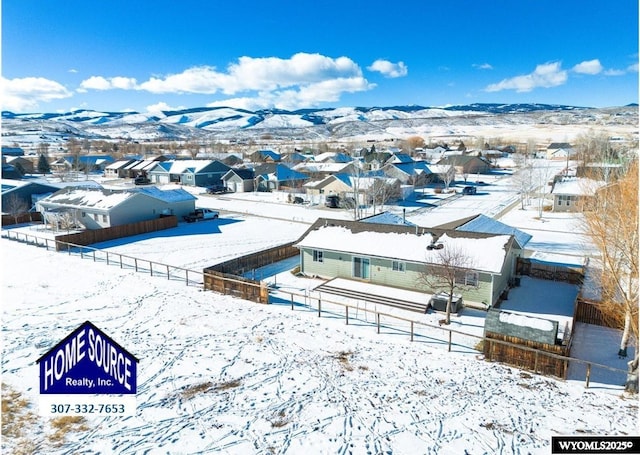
<point>572,194</point>
<point>265,156</point>
<point>273,177</point>
<point>21,196</point>
<point>117,169</point>
<point>200,173</point>
<point>400,256</point>
<point>559,151</point>
<point>467,164</point>
<point>346,185</point>
<point>315,170</point>
<point>23,164</point>
<point>85,163</point>
<point>416,173</point>
<point>441,173</point>
<point>101,208</point>
<point>239,180</point>
<point>332,157</point>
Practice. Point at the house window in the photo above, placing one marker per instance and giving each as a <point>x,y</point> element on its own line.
<point>84,214</point>
<point>361,267</point>
<point>397,266</point>
<point>104,218</point>
<point>467,278</point>
<point>95,216</point>
<point>317,256</point>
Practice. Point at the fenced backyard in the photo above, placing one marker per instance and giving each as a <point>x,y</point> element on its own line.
<point>360,313</point>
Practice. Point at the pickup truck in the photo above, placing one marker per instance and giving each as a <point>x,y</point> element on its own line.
<point>201,215</point>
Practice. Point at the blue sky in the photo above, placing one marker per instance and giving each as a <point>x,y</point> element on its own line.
<point>161,55</point>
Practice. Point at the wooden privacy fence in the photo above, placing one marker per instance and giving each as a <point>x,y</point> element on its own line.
<point>30,217</point>
<point>224,277</point>
<point>552,272</point>
<point>243,288</point>
<point>533,359</point>
<point>240,265</point>
<point>589,313</point>
<point>91,236</point>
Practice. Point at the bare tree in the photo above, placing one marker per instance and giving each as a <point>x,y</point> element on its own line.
<point>450,268</point>
<point>612,225</point>
<point>523,179</point>
<point>15,207</point>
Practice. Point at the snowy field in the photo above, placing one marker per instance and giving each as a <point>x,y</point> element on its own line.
<point>221,375</point>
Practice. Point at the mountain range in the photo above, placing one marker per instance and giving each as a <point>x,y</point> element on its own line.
<point>226,123</point>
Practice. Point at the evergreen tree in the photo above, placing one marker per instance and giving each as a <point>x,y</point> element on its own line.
<point>43,164</point>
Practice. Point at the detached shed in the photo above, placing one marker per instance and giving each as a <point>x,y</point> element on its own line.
<point>535,335</point>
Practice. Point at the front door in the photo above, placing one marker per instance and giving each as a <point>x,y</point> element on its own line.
<point>361,268</point>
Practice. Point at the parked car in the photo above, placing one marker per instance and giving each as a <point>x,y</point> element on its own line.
<point>469,190</point>
<point>201,215</point>
<point>298,200</point>
<point>332,201</point>
<point>217,189</point>
<point>141,180</point>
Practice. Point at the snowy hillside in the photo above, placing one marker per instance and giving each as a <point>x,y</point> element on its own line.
<point>306,124</point>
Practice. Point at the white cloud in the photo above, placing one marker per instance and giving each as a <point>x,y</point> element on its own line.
<point>633,68</point>
<point>301,96</point>
<point>255,74</point>
<point>73,70</point>
<point>614,72</point>
<point>389,69</point>
<point>162,106</point>
<point>482,66</point>
<point>588,67</point>
<point>102,83</point>
<point>545,75</point>
<point>26,93</point>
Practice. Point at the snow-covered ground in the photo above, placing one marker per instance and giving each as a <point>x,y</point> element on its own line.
<point>275,380</point>
<point>272,380</point>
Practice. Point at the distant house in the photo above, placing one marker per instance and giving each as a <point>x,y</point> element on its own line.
<point>396,256</point>
<point>12,151</point>
<point>100,208</point>
<point>559,151</point>
<point>295,157</point>
<point>350,186</point>
<point>24,165</point>
<point>416,173</point>
<point>23,194</point>
<point>200,173</point>
<point>486,225</point>
<point>467,164</point>
<point>273,177</point>
<point>83,163</point>
<point>117,169</point>
<point>442,173</point>
<point>265,156</point>
<point>572,194</point>
<point>315,170</point>
<point>332,157</point>
<point>239,180</point>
